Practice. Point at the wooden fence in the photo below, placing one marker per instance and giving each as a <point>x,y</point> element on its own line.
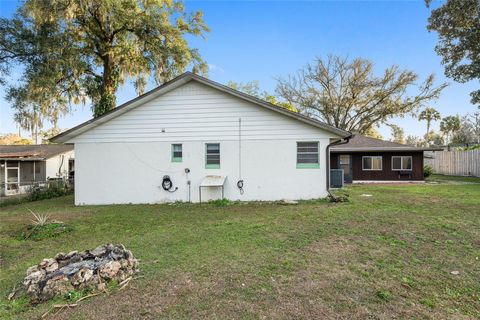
<point>454,163</point>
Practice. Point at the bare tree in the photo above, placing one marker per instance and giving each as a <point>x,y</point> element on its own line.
<point>348,95</point>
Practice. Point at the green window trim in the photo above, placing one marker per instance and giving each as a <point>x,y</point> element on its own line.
<point>212,166</point>
<point>308,165</point>
<point>177,159</point>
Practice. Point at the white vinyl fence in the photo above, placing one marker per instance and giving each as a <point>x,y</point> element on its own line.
<point>455,163</point>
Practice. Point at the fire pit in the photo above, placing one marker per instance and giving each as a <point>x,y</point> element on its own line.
<point>79,271</point>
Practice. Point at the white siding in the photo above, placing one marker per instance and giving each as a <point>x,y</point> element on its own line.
<point>125,159</point>
<point>195,112</point>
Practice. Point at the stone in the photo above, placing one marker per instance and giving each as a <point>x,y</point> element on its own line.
<point>59,256</point>
<point>79,270</point>
<point>71,254</point>
<point>109,269</point>
<point>52,266</point>
<point>32,269</point>
<point>46,262</point>
<point>83,275</point>
<point>101,286</point>
<point>99,251</point>
<point>55,286</point>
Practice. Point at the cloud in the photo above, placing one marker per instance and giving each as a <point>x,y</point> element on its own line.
<point>213,67</point>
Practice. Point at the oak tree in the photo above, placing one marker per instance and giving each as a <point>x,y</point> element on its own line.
<point>348,94</point>
<point>457,23</point>
<point>76,49</point>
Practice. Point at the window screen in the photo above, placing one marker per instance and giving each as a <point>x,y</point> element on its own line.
<point>212,157</point>
<point>307,152</point>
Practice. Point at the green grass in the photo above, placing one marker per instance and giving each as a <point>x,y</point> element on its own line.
<point>385,256</point>
<point>452,179</point>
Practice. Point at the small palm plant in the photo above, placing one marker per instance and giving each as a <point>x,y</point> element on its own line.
<point>38,219</point>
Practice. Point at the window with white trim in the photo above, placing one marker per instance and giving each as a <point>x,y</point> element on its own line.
<point>402,163</point>
<point>212,155</point>
<point>372,163</point>
<point>307,155</point>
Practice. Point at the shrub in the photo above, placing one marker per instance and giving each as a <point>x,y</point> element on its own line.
<point>52,190</point>
<point>38,219</point>
<point>427,171</point>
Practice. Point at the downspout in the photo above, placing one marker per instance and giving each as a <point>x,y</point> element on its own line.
<point>336,143</point>
<point>61,165</point>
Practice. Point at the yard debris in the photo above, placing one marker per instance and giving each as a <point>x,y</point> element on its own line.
<point>13,293</point>
<point>78,271</point>
<point>455,272</point>
<point>287,202</point>
<point>339,198</point>
<point>365,195</point>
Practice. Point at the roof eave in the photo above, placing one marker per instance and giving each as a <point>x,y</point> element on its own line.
<point>391,149</point>
<point>184,78</point>
<point>23,159</point>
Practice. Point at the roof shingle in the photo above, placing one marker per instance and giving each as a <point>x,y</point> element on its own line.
<point>362,143</point>
<point>24,152</point>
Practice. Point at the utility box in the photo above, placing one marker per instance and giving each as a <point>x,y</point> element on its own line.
<point>336,178</point>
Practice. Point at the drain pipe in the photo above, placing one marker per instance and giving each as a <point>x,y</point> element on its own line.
<point>336,143</point>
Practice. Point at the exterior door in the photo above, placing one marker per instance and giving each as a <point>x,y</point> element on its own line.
<point>12,178</point>
<point>345,163</point>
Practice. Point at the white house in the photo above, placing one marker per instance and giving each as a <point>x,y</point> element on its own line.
<point>191,136</point>
<point>23,166</point>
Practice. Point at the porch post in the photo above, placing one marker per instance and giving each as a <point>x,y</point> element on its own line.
<point>5,176</point>
<point>34,172</point>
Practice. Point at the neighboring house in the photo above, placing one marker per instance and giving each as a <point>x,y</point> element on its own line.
<point>365,159</point>
<point>193,136</point>
<point>27,165</point>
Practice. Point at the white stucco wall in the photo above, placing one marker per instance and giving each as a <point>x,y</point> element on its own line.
<point>54,165</point>
<point>109,173</point>
<point>125,159</point>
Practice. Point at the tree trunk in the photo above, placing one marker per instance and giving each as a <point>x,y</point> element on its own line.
<point>108,88</point>
<point>427,137</point>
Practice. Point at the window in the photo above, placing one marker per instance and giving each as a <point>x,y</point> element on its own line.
<point>372,163</point>
<point>344,159</point>
<point>307,155</point>
<point>402,163</point>
<point>212,156</point>
<point>177,153</point>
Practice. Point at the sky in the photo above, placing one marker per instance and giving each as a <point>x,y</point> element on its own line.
<point>264,40</point>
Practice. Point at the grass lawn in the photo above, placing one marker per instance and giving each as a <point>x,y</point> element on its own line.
<point>386,256</point>
<point>453,179</point>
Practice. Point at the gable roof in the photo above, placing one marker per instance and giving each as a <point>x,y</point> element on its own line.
<point>175,83</point>
<point>358,143</point>
<point>32,152</point>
